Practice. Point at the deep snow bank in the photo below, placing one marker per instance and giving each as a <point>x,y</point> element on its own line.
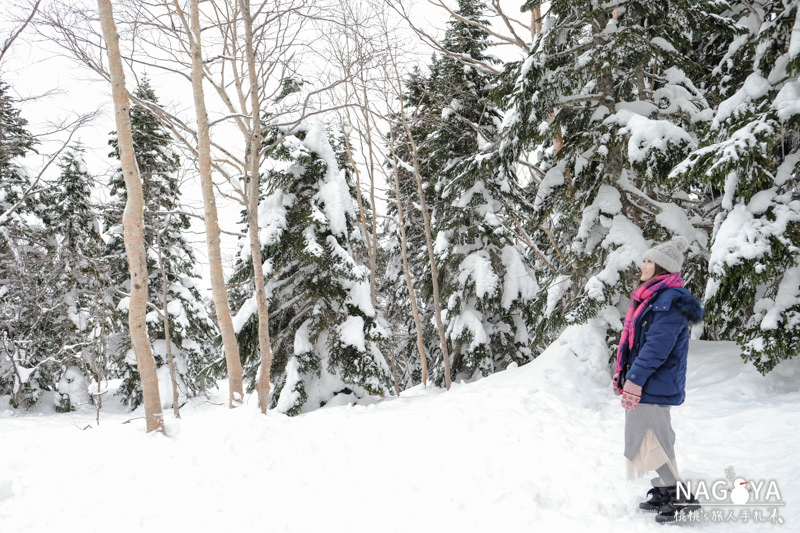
<point>532,447</point>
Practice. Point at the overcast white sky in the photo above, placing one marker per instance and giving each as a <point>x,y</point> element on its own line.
<point>54,88</point>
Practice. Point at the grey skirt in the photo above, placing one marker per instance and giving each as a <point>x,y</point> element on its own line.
<point>649,439</point>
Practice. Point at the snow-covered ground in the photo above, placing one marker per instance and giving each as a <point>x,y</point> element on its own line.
<point>535,448</point>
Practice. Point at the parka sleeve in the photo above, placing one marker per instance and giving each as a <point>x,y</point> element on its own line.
<point>658,343</point>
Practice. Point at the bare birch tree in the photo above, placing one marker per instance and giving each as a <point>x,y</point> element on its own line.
<point>218,287</point>
<point>354,51</point>
<point>257,58</point>
<point>394,79</point>
<point>253,58</point>
<point>70,27</point>
<point>258,44</point>
<point>401,224</point>
<point>252,179</point>
<point>133,224</point>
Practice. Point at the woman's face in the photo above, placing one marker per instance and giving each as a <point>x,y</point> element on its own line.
<point>648,269</point>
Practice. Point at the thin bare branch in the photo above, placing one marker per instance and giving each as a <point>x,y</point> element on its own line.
<point>16,33</point>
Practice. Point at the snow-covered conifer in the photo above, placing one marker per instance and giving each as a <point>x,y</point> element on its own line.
<point>168,252</point>
<point>485,279</point>
<point>15,142</point>
<point>323,325</point>
<point>29,302</point>
<point>75,245</point>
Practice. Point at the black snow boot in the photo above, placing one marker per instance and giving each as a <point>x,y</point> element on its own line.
<point>670,511</point>
<point>657,497</point>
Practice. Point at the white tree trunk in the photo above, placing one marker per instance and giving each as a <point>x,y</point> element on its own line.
<point>218,288</point>
<point>133,225</point>
<point>262,384</point>
<point>397,78</point>
<point>437,306</point>
<point>407,272</point>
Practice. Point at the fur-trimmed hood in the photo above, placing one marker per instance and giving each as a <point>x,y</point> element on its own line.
<point>683,301</point>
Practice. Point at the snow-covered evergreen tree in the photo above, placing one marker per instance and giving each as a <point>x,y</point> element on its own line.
<point>609,100</point>
<point>484,278</point>
<point>29,302</point>
<point>323,325</point>
<point>168,252</point>
<point>75,247</point>
<point>15,142</point>
<point>748,163</point>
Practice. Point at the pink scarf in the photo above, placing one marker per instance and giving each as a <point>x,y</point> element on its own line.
<point>639,299</point>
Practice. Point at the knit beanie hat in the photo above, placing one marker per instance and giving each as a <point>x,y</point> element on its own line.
<point>669,255</point>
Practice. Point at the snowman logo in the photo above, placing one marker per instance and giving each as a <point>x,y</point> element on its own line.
<point>740,495</point>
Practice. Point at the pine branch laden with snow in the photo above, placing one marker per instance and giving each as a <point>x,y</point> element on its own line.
<point>488,281</point>
<point>750,159</point>
<point>608,102</point>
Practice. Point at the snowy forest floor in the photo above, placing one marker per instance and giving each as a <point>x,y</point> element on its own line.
<point>534,448</point>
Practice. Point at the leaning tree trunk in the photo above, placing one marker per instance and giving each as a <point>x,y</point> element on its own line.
<point>218,289</point>
<point>401,223</point>
<point>133,225</point>
<point>437,306</point>
<point>426,220</point>
<point>262,384</point>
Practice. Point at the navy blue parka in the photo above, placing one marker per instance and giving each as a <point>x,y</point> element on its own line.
<point>657,360</point>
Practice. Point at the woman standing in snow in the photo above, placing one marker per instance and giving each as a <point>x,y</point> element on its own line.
<point>650,373</point>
